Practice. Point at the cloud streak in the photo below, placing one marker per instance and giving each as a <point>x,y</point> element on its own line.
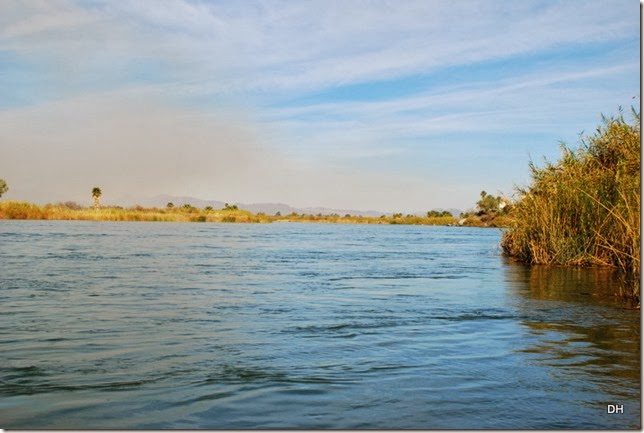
<point>305,45</point>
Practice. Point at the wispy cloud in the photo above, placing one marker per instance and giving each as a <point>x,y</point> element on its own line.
<point>304,45</point>
<point>524,104</point>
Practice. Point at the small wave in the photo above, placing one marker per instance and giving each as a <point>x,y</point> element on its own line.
<point>230,374</point>
<point>377,277</point>
<point>476,315</point>
<point>343,330</point>
<point>36,382</point>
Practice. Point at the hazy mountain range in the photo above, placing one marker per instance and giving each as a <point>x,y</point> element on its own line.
<point>161,201</point>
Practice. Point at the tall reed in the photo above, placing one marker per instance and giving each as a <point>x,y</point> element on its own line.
<point>584,209</point>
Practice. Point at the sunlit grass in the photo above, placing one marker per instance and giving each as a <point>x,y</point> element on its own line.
<point>24,210</point>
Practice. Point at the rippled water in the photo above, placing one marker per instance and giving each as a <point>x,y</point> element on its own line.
<point>166,325</point>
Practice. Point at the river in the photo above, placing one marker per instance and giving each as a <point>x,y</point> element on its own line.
<point>133,325</point>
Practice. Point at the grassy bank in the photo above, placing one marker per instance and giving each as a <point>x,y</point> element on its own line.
<point>72,211</point>
<point>24,210</point>
<point>584,209</point>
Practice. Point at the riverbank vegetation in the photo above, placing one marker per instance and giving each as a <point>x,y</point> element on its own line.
<point>490,211</point>
<point>73,211</point>
<point>3,187</point>
<point>187,213</point>
<point>584,209</point>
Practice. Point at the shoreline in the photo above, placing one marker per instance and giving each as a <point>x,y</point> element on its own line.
<point>19,210</point>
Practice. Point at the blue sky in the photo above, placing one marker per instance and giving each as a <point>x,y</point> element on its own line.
<point>386,105</point>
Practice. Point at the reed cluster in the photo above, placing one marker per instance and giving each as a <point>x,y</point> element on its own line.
<point>584,209</point>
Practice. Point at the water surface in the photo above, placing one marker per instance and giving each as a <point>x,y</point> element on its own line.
<point>179,325</point>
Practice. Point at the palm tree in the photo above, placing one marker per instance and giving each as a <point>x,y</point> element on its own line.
<point>96,195</point>
<point>3,187</point>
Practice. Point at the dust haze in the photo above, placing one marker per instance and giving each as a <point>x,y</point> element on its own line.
<point>135,148</point>
<point>129,148</point>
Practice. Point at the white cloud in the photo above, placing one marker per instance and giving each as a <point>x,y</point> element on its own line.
<point>306,45</point>
<point>21,19</point>
<point>532,103</point>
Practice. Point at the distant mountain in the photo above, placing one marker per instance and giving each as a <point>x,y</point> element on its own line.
<point>160,201</point>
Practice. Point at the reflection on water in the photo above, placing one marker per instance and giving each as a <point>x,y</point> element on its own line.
<point>599,285</point>
<point>582,325</point>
